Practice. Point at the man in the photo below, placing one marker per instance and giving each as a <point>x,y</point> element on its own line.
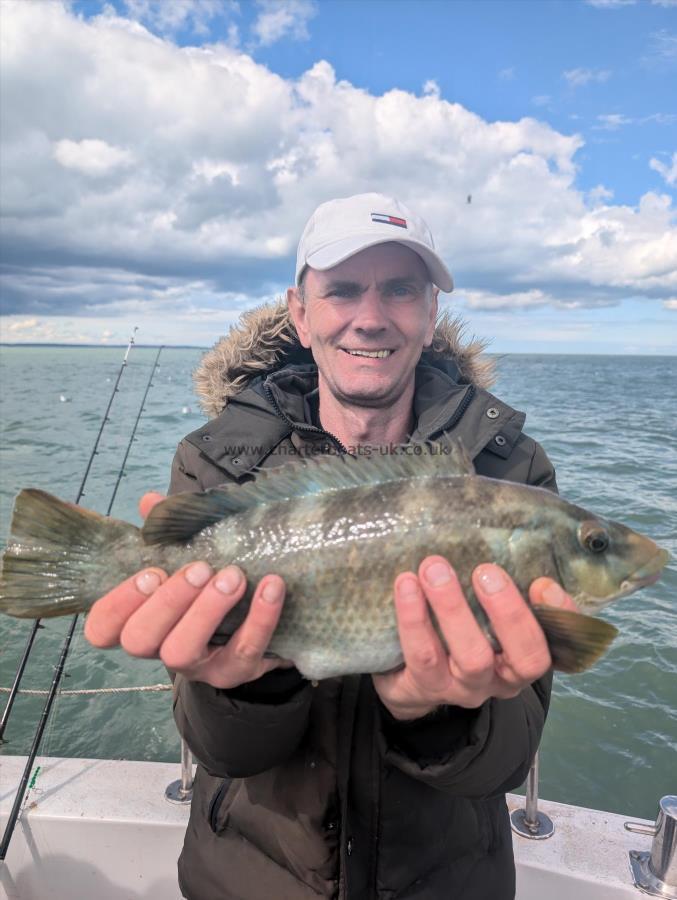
<point>382,786</point>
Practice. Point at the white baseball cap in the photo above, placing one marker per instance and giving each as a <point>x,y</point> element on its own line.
<point>341,228</point>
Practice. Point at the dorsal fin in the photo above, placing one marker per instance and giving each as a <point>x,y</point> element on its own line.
<point>180,517</point>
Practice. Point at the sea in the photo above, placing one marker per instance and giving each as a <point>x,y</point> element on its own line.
<point>608,424</point>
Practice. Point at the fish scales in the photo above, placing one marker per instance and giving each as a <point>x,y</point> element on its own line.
<point>335,547</point>
<point>339,531</point>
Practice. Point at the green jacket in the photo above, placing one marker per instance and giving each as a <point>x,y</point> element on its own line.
<point>313,790</point>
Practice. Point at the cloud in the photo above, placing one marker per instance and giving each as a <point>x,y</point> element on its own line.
<point>598,195</point>
<point>613,121</point>
<point>431,88</point>
<point>93,157</point>
<point>22,325</point>
<point>282,18</point>
<point>670,304</point>
<point>610,4</point>
<point>669,173</point>
<point>541,100</point>
<point>664,3</point>
<point>516,300</point>
<point>67,331</point>
<point>530,299</point>
<point>171,16</point>
<point>661,118</point>
<point>179,200</point>
<point>662,49</point>
<point>507,74</point>
<point>580,77</point>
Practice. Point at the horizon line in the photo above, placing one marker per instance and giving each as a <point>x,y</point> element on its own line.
<point>544,352</point>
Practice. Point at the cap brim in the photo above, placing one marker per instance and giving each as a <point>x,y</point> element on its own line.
<point>339,251</point>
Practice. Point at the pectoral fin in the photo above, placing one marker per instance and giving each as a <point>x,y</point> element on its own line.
<point>576,641</point>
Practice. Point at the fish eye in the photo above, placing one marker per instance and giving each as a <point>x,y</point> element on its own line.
<point>593,537</point>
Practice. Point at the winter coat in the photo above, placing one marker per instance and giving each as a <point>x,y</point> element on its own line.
<point>307,790</point>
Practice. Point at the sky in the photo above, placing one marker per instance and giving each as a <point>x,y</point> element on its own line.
<point>159,159</point>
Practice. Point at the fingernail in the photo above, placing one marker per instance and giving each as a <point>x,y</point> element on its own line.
<point>554,595</point>
<point>198,574</point>
<point>438,573</point>
<point>271,592</point>
<point>228,580</point>
<point>407,588</point>
<point>492,579</point>
<point>147,582</point>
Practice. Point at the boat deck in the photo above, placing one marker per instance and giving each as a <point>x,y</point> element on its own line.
<point>93,828</point>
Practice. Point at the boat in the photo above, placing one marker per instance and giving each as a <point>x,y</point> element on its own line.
<point>113,829</point>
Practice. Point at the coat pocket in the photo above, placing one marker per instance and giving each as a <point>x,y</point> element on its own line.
<point>218,819</point>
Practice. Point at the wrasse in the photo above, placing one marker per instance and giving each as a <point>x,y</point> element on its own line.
<point>338,530</point>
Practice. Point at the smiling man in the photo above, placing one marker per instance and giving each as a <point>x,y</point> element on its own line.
<point>372,307</point>
<point>376,786</point>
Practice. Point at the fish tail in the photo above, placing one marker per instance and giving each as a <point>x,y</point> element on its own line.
<point>576,641</point>
<point>57,557</point>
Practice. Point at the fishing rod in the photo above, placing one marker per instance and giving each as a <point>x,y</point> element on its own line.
<point>58,672</point>
<point>18,800</point>
<point>95,449</point>
<point>36,624</point>
<point>132,437</point>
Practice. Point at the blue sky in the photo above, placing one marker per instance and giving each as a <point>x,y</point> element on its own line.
<point>160,159</point>
<point>506,60</point>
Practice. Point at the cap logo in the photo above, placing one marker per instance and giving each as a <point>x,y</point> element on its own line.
<point>388,220</point>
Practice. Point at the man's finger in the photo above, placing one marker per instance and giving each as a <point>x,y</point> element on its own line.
<point>148,501</point>
<point>548,592</point>
<point>523,642</point>
<point>109,615</point>
<point>423,653</point>
<point>187,643</point>
<point>147,629</point>
<point>470,651</point>
<point>246,647</point>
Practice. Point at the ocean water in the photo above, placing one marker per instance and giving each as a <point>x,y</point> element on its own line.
<point>608,423</point>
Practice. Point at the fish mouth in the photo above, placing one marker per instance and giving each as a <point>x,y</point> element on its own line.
<point>633,584</point>
<point>647,575</point>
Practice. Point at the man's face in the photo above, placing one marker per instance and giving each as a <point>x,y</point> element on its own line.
<point>378,301</point>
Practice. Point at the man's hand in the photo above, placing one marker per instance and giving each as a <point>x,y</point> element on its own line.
<point>173,618</point>
<point>470,672</point>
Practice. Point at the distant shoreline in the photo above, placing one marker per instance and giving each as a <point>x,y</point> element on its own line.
<point>498,353</point>
<point>109,346</point>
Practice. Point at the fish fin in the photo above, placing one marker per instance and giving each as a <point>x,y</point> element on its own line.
<point>181,516</point>
<point>48,567</point>
<point>458,461</point>
<point>576,641</point>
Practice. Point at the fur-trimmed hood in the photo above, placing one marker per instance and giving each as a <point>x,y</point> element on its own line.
<point>265,339</point>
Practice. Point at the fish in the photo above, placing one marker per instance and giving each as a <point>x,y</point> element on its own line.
<point>338,529</point>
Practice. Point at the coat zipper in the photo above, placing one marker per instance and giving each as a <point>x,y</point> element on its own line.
<point>464,404</point>
<point>298,426</point>
<point>461,408</point>
<point>312,429</point>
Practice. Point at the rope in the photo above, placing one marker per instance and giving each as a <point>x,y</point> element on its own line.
<point>120,690</point>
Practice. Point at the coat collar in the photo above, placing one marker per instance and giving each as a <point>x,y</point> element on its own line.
<point>251,427</point>
<point>265,341</point>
